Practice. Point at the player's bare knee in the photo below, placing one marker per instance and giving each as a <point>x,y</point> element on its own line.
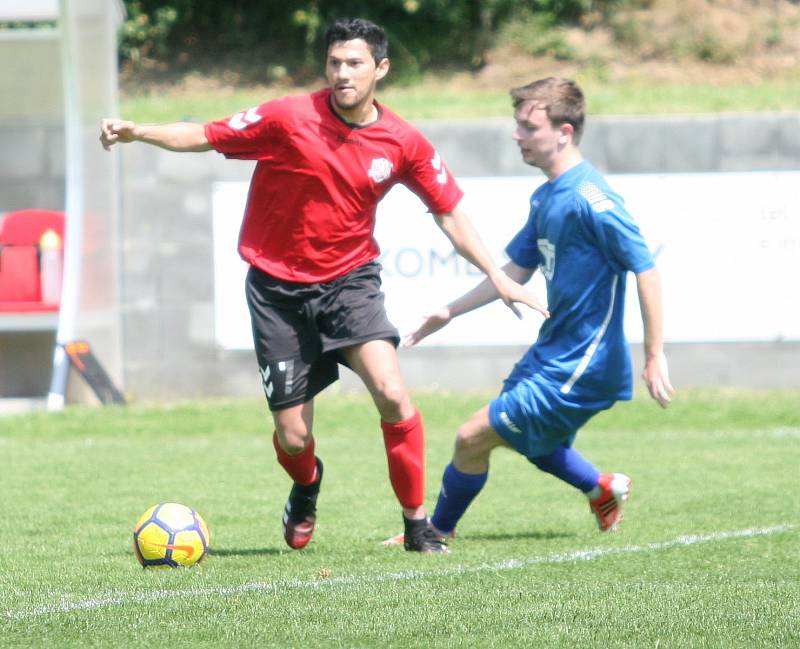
<point>472,443</point>
<point>293,439</point>
<point>392,401</point>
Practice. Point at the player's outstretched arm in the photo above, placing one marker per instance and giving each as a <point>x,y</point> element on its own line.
<point>180,136</point>
<point>459,229</point>
<point>656,371</point>
<point>482,294</point>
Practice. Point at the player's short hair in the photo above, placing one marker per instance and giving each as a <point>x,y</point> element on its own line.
<point>348,29</point>
<point>561,99</point>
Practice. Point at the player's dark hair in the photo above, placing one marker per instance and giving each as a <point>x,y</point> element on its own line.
<point>348,29</point>
<point>561,99</point>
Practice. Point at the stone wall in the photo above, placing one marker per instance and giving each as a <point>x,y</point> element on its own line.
<point>167,267</point>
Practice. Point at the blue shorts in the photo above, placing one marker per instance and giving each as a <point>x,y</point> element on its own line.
<point>535,418</point>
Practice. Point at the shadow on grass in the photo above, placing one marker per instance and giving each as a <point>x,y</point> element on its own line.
<point>243,552</point>
<point>508,536</point>
<point>519,536</point>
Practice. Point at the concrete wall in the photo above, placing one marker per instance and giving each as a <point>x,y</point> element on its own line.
<point>167,277</point>
<point>31,165</point>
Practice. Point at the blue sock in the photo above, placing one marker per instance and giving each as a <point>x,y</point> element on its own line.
<point>570,466</point>
<point>457,492</point>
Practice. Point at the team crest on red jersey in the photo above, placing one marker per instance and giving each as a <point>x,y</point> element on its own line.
<point>380,170</point>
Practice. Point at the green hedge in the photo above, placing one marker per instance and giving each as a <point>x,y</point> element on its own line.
<point>288,33</point>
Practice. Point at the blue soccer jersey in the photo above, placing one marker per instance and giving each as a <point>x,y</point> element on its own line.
<point>581,237</point>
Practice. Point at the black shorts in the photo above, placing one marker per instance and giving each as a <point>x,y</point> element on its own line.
<point>298,328</point>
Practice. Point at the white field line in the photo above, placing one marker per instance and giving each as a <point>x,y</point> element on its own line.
<point>105,601</point>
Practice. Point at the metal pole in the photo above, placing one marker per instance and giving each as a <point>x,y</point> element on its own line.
<point>70,295</point>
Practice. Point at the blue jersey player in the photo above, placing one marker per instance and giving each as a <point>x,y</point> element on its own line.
<point>580,236</point>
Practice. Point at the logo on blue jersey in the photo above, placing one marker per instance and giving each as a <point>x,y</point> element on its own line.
<point>597,198</point>
<point>548,252</point>
<point>508,423</point>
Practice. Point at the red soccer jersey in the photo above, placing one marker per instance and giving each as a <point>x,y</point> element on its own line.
<point>310,211</point>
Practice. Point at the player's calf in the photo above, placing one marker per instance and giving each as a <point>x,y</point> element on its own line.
<point>405,454</point>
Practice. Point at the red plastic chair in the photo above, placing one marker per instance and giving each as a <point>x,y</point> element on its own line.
<point>26,227</point>
<point>20,232</point>
<point>19,274</point>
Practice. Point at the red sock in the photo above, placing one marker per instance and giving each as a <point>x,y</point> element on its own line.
<point>302,468</point>
<point>405,451</point>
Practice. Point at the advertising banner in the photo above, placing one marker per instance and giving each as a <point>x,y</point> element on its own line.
<point>726,245</point>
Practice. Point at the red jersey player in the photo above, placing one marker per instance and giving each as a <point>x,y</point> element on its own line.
<point>325,159</point>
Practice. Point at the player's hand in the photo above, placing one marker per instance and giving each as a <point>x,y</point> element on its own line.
<point>656,377</point>
<point>113,130</point>
<point>431,324</point>
<point>513,293</point>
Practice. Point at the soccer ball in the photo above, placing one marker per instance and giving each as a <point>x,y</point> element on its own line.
<point>170,535</point>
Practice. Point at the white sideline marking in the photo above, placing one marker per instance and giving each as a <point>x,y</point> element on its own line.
<point>348,580</point>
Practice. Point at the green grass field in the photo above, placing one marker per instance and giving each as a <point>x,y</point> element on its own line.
<point>707,555</point>
<point>428,101</point>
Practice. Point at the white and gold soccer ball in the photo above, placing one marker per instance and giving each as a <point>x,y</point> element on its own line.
<point>170,535</point>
